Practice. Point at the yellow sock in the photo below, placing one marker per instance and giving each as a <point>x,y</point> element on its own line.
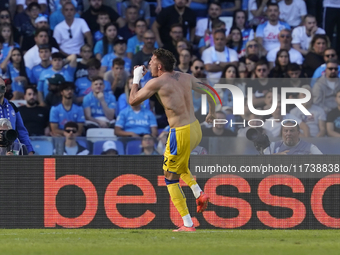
<point>188,178</point>
<point>178,198</point>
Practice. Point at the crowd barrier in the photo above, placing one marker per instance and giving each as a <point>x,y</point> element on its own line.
<point>248,192</point>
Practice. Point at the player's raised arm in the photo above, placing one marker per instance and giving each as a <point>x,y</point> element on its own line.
<point>200,87</point>
<point>138,96</point>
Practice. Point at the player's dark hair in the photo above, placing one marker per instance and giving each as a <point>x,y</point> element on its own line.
<point>166,58</point>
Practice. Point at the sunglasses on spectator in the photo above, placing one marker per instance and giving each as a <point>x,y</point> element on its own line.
<point>199,67</point>
<point>261,70</point>
<point>70,33</point>
<point>330,55</point>
<point>283,36</point>
<point>332,68</point>
<point>4,16</point>
<point>252,46</point>
<point>71,130</point>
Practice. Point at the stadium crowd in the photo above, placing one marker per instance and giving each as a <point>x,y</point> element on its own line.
<point>67,64</point>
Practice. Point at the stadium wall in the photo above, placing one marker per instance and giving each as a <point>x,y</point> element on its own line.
<point>129,192</point>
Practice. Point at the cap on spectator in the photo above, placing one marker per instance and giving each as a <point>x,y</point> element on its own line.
<point>120,41</point>
<point>56,79</point>
<point>57,55</point>
<point>40,19</point>
<point>109,145</point>
<point>44,46</point>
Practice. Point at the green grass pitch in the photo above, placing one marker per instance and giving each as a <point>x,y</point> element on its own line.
<point>122,241</point>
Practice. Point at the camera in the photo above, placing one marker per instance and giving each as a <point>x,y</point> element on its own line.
<point>8,137</point>
<point>260,140</point>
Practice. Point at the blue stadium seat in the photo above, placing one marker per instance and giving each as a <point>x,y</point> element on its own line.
<point>98,147</point>
<point>134,147</point>
<point>42,147</point>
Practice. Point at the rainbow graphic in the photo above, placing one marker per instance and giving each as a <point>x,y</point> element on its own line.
<point>210,93</point>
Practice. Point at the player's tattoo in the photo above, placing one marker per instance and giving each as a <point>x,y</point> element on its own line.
<point>175,76</point>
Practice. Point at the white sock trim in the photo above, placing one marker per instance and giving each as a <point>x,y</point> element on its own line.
<point>196,190</point>
<point>187,221</point>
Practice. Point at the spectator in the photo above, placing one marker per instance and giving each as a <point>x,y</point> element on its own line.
<point>117,77</point>
<point>254,47</point>
<point>103,19</point>
<point>57,67</point>
<point>333,118</point>
<point>131,17</point>
<point>229,7</point>
<point>229,76</point>
<point>9,111</point>
<point>302,35</point>
<point>119,51</point>
<point>31,57</point>
<point>236,41</point>
<point>57,16</point>
<point>177,13</point>
<point>71,32</point>
<point>66,111</point>
<point>143,9</point>
<point>53,98</point>
<point>23,5</point>
<point>135,43</point>
<point>204,25</point>
<point>291,144</point>
<point>99,107</point>
<point>143,56</point>
<point>83,84</point>
<point>176,34</point>
<point>267,33</point>
<point>325,88</point>
<point>45,56</point>
<point>35,117</point>
<point>105,46</point>
<point>40,23</point>
<point>330,19</point>
<point>317,121</point>
<point>208,40</point>
<point>184,62</point>
<point>5,17</point>
<point>251,61</point>
<point>135,121</point>
<point>314,57</point>
<point>292,12</point>
<point>91,15</point>
<point>183,44</point>
<point>109,149</point>
<point>239,20</point>
<point>329,53</point>
<point>148,145</point>
<point>81,69</point>
<point>197,69</point>
<point>124,98</point>
<point>218,56</point>
<point>71,146</point>
<point>257,11</point>
<point>17,72</point>
<point>281,63</point>
<point>285,39</point>
<point>24,21</point>
<point>219,129</point>
<point>7,34</point>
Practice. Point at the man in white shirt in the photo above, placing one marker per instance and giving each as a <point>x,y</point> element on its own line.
<point>204,26</point>
<point>302,35</point>
<point>32,55</point>
<point>71,32</point>
<point>285,39</point>
<point>292,11</point>
<point>267,32</point>
<point>216,57</point>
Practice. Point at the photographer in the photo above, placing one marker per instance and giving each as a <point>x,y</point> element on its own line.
<point>7,138</point>
<point>291,144</point>
<point>9,111</point>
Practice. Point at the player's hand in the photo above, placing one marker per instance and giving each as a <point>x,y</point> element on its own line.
<point>210,118</point>
<point>137,74</point>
